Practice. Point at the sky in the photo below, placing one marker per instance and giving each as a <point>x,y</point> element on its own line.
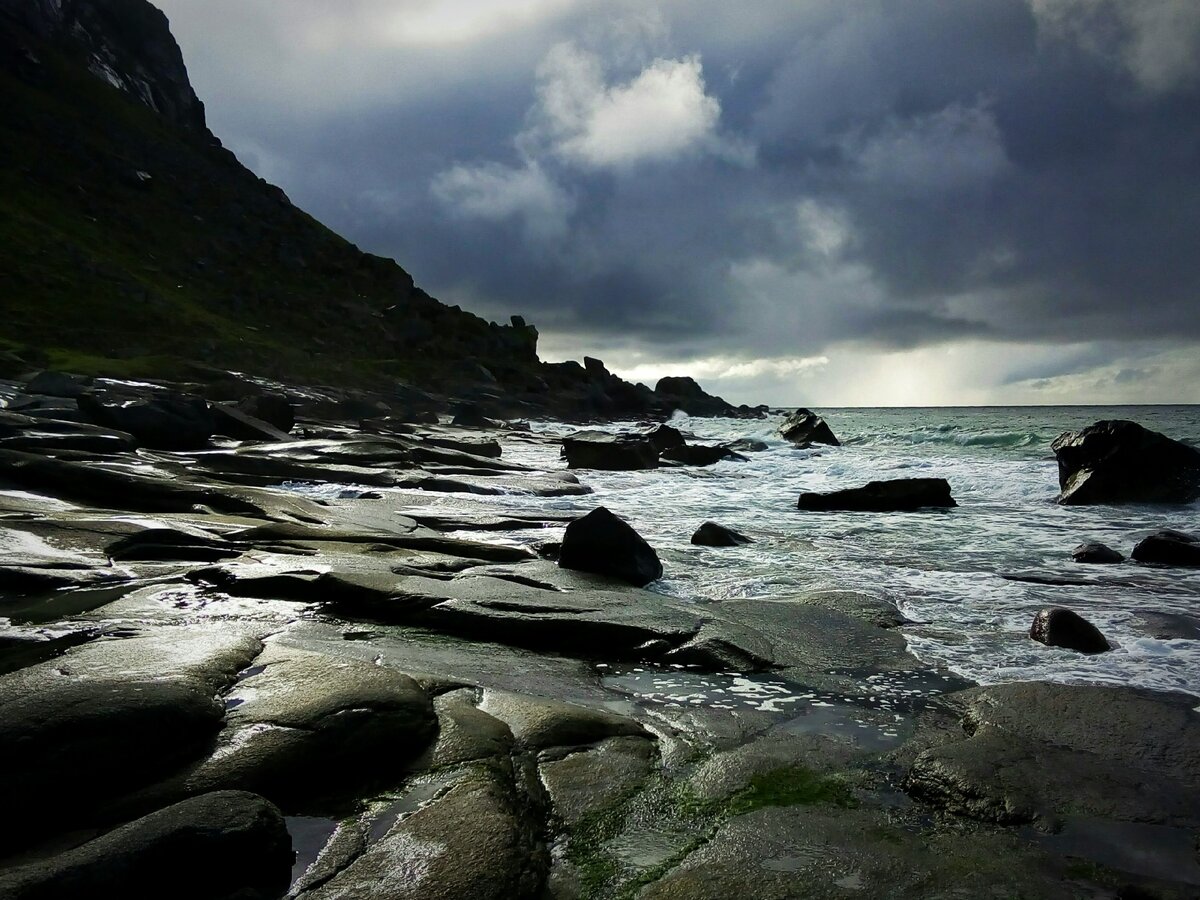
<point>817,202</point>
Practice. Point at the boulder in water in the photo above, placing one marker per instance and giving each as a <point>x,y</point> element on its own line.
<point>603,543</point>
<point>1117,461</point>
<point>805,428</point>
<point>897,495</point>
<point>710,534</point>
<point>748,445</point>
<point>699,455</point>
<point>1095,552</point>
<point>612,452</point>
<point>664,437</point>
<point>1169,548</point>
<point>1056,626</point>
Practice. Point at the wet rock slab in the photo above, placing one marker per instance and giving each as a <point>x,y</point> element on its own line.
<point>221,845</point>
<point>1045,751</point>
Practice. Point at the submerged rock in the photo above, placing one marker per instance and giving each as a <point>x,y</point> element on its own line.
<point>1116,461</point>
<point>804,428</point>
<point>710,534</point>
<point>1095,552</point>
<point>897,495</point>
<point>601,542</point>
<point>221,845</point>
<point>699,455</point>
<point>1169,548</point>
<point>1056,626</point>
<point>612,452</point>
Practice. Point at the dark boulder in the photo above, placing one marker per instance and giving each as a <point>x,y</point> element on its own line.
<point>470,415</point>
<point>178,422</point>
<point>58,384</point>
<point>1116,461</point>
<point>804,428</point>
<point>601,542</point>
<point>1169,548</point>
<point>748,445</point>
<point>1059,627</point>
<point>664,437</point>
<point>1095,552</point>
<point>234,422</point>
<point>225,844</point>
<point>612,452</point>
<point>273,408</point>
<point>699,455</point>
<point>897,495</point>
<point>710,534</point>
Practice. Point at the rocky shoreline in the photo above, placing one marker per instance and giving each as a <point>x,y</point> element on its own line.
<point>206,666</point>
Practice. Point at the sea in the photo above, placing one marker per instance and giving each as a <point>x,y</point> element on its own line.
<point>943,569</point>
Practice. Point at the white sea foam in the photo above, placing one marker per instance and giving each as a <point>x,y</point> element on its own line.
<point>939,567</point>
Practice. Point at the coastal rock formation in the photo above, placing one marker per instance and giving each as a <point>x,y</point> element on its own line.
<point>222,844</point>
<point>179,422</point>
<point>805,428</point>
<point>273,408</point>
<point>607,545</point>
<point>1116,461</point>
<point>1029,752</point>
<point>1169,548</point>
<point>710,534</point>
<point>896,495</point>
<point>1095,552</point>
<point>126,43</point>
<point>683,393</point>
<point>1059,627</point>
<point>614,452</point>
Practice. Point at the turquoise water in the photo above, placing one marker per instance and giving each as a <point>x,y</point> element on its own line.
<point>941,568</point>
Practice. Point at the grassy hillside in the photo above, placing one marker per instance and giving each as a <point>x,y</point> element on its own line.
<point>130,246</point>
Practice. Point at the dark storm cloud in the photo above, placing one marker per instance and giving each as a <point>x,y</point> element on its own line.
<point>898,174</point>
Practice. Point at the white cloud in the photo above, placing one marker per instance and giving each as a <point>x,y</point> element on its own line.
<point>1156,41</point>
<point>721,367</point>
<point>661,114</point>
<point>495,193</point>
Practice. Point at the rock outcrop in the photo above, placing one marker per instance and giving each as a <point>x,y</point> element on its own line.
<point>1059,627</point>
<point>614,452</point>
<point>607,545</point>
<point>1096,553</point>
<point>805,428</point>
<point>1116,461</point>
<point>710,534</point>
<point>1169,548</point>
<point>897,495</point>
<point>126,43</point>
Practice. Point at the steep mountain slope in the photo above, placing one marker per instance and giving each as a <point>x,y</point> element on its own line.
<point>133,243</point>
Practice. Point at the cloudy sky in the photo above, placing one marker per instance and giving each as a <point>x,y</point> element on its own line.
<point>823,202</point>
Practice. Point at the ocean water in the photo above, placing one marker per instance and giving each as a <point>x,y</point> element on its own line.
<point>942,568</point>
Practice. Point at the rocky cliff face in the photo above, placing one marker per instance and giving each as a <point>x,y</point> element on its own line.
<point>133,244</point>
<point>128,43</point>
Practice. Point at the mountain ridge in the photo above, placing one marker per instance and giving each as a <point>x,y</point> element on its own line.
<point>137,245</point>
